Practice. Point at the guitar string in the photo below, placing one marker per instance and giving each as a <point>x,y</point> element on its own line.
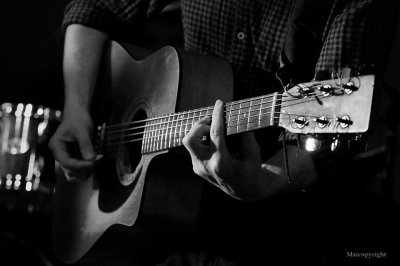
<point>200,115</point>
<point>190,121</point>
<point>193,120</point>
<point>196,110</point>
<point>165,136</point>
<point>163,142</point>
<point>164,132</point>
<point>262,98</point>
<point>200,110</point>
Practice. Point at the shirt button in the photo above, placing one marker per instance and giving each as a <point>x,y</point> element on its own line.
<point>240,35</point>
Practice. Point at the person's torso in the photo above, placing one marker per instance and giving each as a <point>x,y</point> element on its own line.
<point>249,34</point>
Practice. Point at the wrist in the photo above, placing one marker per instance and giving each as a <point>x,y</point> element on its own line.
<point>72,108</point>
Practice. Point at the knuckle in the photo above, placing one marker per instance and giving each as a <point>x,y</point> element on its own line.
<point>186,140</point>
<point>215,132</point>
<point>197,170</point>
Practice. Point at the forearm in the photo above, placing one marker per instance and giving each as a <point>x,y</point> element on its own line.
<point>82,56</point>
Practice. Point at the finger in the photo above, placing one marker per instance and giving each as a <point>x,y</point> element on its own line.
<point>193,141</point>
<point>217,126</point>
<point>200,128</point>
<point>62,155</point>
<point>86,147</point>
<point>75,176</point>
<point>204,121</point>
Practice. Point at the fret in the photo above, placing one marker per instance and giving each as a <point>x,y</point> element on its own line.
<point>204,112</point>
<point>229,118</point>
<point>146,144</point>
<point>158,135</point>
<point>260,112</point>
<point>193,118</point>
<point>196,116</point>
<point>238,116</point>
<point>169,130</point>
<point>248,115</point>
<point>154,135</point>
<point>149,136</point>
<point>176,133</point>
<point>144,140</point>
<point>242,119</point>
<point>172,130</point>
<point>182,117</point>
<point>175,138</point>
<point>253,114</point>
<point>209,111</point>
<point>162,132</point>
<point>165,133</point>
<point>233,115</point>
<point>187,122</point>
<point>200,114</point>
<point>186,118</point>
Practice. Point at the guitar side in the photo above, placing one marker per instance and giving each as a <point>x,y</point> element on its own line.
<point>130,195</point>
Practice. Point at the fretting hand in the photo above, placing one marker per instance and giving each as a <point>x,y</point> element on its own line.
<point>237,170</point>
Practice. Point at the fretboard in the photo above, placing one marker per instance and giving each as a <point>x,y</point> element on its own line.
<point>167,131</point>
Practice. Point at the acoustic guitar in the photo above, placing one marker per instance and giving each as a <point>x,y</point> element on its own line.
<point>144,108</point>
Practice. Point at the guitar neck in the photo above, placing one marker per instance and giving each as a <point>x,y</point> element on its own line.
<point>167,131</point>
<point>311,108</point>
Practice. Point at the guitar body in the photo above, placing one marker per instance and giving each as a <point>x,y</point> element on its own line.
<point>143,200</point>
<point>134,197</point>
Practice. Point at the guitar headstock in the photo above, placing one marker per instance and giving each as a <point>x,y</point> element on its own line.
<point>330,106</point>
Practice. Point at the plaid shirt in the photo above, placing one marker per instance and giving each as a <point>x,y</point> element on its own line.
<point>250,34</point>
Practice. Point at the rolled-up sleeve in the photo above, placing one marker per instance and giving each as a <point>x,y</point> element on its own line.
<point>358,32</point>
<point>108,16</point>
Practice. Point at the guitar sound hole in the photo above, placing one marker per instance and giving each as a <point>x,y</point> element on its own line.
<point>134,139</point>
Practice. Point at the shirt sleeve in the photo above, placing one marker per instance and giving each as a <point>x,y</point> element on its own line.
<point>358,32</point>
<point>110,16</point>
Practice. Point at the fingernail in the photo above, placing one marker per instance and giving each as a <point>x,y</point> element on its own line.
<point>98,157</point>
<point>89,156</point>
<point>218,103</point>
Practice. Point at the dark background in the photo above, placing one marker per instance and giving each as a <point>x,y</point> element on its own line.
<point>31,43</point>
<point>31,52</point>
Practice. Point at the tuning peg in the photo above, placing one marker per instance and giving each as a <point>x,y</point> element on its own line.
<point>322,121</point>
<point>326,90</point>
<point>349,87</point>
<point>344,121</point>
<point>301,122</point>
